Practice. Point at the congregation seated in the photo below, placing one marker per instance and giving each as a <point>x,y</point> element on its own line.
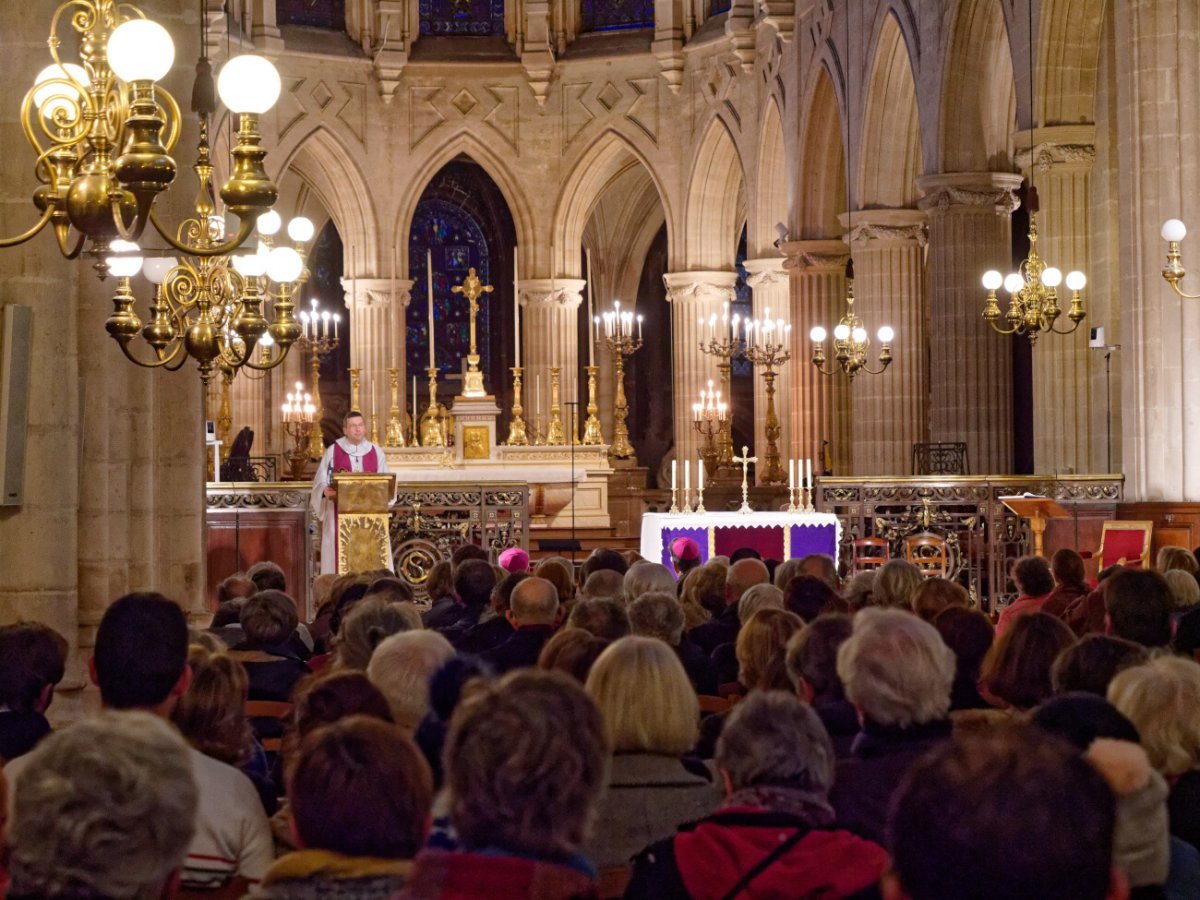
<point>723,627</point>
<point>1031,575</point>
<point>1070,582</point>
<point>33,660</point>
<point>808,597</point>
<point>773,835</point>
<point>474,580</point>
<point>657,614</point>
<point>534,614</point>
<point>401,667</point>
<point>604,584</point>
<point>445,690</point>
<point>572,651</point>
<point>439,588</point>
<point>604,617</point>
<point>493,627</point>
<point>895,583</point>
<point>268,622</point>
<point>1016,671</point>
<point>934,595</point>
<point>1138,605</point>
<point>105,808</point>
<point>897,672</point>
<point>818,565</point>
<point>360,794</point>
<point>514,560</point>
<point>560,573</point>
<point>858,590</point>
<point>1090,665</point>
<point>969,634</point>
<point>601,560</point>
<point>368,624</point>
<point>651,716</point>
<point>1185,592</point>
<point>645,577</point>
<point>1087,615</point>
<point>811,661</point>
<point>525,766</point>
<point>702,595</point>
<point>685,556</point>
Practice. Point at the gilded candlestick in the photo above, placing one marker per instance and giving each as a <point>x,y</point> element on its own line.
<point>769,355</point>
<point>517,432</point>
<point>555,432</point>
<point>432,432</point>
<point>591,428</point>
<point>394,436</point>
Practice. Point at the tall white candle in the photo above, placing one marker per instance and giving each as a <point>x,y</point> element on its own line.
<point>700,475</point>
<point>672,474</point>
<point>791,474</point>
<point>538,396</point>
<point>516,311</point>
<point>591,341</point>
<point>414,405</point>
<point>808,466</point>
<point>429,285</point>
<point>687,476</point>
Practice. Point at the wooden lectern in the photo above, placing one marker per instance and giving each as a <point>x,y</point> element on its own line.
<point>363,520</point>
<point>1037,510</point>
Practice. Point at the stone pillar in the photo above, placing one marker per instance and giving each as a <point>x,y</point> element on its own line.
<point>693,296</point>
<point>970,365</point>
<point>820,409</point>
<point>377,310</point>
<point>1158,134</point>
<point>889,289</point>
<point>549,338</point>
<point>771,287</point>
<point>1064,436</point>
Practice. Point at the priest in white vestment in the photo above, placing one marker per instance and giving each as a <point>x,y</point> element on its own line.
<point>350,453</point>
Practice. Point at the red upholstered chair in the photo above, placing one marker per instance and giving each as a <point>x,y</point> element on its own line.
<point>1125,543</point>
<point>868,553</point>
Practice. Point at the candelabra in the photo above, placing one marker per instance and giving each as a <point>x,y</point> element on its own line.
<point>318,340</point>
<point>298,415</point>
<point>555,433</point>
<point>618,338</point>
<point>709,422</point>
<point>394,435</point>
<point>592,434</point>
<point>433,433</point>
<point>724,346</point>
<point>1174,231</point>
<point>517,433</point>
<point>1033,291</point>
<point>850,340</point>
<point>767,346</point>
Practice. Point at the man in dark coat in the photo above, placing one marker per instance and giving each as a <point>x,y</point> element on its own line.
<point>534,613</point>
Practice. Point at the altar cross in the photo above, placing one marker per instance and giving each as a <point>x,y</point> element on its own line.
<point>745,459</point>
<point>472,288</point>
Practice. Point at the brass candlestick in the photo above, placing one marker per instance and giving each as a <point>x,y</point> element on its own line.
<point>621,345</point>
<point>298,415</point>
<point>472,288</point>
<point>432,432</point>
<point>318,343</point>
<point>517,433</point>
<point>709,422</point>
<point>555,433</point>
<point>395,427</point>
<point>724,350</point>
<point>592,434</point>
<point>374,428</point>
<point>769,354</point>
<point>225,413</point>
<point>355,387</point>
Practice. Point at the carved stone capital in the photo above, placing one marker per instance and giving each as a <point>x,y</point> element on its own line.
<point>885,226</point>
<point>377,293</point>
<point>970,192</point>
<point>703,288</point>
<point>1056,147</point>
<point>804,256</point>
<point>766,273</point>
<point>561,293</point>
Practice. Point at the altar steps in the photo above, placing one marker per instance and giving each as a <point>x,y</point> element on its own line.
<point>589,539</point>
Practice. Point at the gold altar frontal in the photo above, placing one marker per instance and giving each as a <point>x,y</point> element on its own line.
<point>363,520</point>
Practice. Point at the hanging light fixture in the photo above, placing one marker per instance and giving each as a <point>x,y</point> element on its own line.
<point>1173,232</point>
<point>103,131</point>
<point>1033,288</point>
<point>851,343</point>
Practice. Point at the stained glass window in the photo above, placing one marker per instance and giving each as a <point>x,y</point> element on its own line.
<point>616,15</point>
<point>741,304</point>
<point>329,14</point>
<point>716,7</point>
<point>469,17</point>
<point>457,243</point>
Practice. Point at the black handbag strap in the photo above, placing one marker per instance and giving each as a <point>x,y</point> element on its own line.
<point>765,863</point>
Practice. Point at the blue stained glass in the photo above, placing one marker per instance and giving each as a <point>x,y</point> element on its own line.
<point>616,15</point>
<point>741,304</point>
<point>329,14</point>
<point>457,243</point>
<point>461,17</point>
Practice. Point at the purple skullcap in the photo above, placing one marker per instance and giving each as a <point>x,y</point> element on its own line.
<point>685,549</point>
<point>514,559</point>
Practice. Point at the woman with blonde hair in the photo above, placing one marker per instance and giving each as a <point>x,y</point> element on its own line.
<point>1161,698</point>
<point>1176,558</point>
<point>936,594</point>
<point>703,594</point>
<point>651,716</point>
<point>895,583</point>
<point>762,650</point>
<point>558,572</point>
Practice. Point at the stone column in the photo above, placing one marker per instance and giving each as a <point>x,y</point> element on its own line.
<point>377,310</point>
<point>549,338</point>
<point>771,287</point>
<point>1158,133</point>
<point>820,404</point>
<point>970,365</point>
<point>692,295</point>
<point>889,289</point>
<point>1064,436</point>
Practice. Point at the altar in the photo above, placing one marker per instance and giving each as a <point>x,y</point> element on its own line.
<point>775,535</point>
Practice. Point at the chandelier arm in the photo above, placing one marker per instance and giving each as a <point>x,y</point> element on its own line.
<point>259,367</point>
<point>32,232</point>
<point>998,330</point>
<point>61,237</point>
<point>164,363</point>
<point>832,371</point>
<point>1070,330</point>
<point>245,227</point>
<point>1181,292</point>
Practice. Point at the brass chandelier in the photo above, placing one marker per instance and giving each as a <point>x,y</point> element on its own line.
<point>103,131</point>
<point>851,342</point>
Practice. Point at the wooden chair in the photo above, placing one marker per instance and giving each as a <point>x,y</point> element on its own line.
<point>928,553</point>
<point>613,882</point>
<point>868,554</point>
<point>269,709</point>
<point>1125,543</point>
<point>729,689</point>
<point>710,704</point>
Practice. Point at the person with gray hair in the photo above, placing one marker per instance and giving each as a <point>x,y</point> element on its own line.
<point>897,671</point>
<point>105,808</point>
<point>724,627</point>
<point>401,667</point>
<point>785,572</point>
<point>778,766</point>
<point>534,612</point>
<point>644,577</point>
<point>760,596</point>
<point>604,583</point>
<point>604,617</point>
<point>658,614</point>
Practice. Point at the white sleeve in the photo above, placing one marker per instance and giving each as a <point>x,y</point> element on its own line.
<point>257,852</point>
<point>382,457</point>
<point>317,499</point>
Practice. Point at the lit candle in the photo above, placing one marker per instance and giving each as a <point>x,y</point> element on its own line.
<point>591,343</point>
<point>808,466</point>
<point>687,477</point>
<point>336,319</point>
<point>538,396</point>
<point>791,474</point>
<point>639,328</point>
<point>374,409</point>
<point>672,474</point>
<point>516,312</point>
<point>429,283</point>
<point>700,475</point>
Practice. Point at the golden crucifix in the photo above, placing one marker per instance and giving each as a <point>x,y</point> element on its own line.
<point>472,288</point>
